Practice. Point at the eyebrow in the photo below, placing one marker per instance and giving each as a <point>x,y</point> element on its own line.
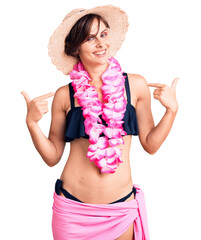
<point>101,32</point>
<point>104,30</point>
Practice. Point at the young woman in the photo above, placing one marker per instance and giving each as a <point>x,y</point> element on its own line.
<point>98,112</point>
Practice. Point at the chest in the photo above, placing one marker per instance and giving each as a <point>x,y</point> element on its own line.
<point>100,96</point>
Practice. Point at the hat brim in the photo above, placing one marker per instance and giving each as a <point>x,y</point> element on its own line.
<point>117,20</point>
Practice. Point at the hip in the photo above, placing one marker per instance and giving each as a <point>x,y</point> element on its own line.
<point>95,187</point>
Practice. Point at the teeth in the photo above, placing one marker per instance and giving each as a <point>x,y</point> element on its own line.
<point>100,53</point>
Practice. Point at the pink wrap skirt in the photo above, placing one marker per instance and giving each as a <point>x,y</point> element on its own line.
<point>83,221</point>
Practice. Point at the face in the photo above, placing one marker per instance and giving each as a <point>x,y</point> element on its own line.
<point>96,49</point>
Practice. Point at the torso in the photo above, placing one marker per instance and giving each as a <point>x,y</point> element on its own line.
<point>83,179</point>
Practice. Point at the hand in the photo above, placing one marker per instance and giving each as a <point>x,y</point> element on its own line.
<point>36,107</point>
<point>166,95</point>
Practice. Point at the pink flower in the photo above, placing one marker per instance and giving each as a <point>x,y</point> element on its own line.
<point>94,132</point>
<point>115,142</point>
<point>105,157</point>
<point>97,155</point>
<point>102,143</point>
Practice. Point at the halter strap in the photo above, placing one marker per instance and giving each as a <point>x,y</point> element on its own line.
<point>127,88</point>
<point>71,95</point>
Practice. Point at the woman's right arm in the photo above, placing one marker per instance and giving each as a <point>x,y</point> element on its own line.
<point>51,148</point>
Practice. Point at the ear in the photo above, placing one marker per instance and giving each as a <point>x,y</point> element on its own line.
<point>77,53</point>
<point>78,56</point>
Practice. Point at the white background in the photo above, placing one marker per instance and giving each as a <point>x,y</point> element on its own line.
<point>163,42</point>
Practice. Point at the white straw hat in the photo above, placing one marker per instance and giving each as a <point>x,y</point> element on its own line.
<point>116,18</point>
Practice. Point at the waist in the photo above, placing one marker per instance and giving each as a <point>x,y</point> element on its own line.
<point>90,185</point>
<point>81,176</point>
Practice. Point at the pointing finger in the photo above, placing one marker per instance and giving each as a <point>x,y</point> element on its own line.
<point>174,83</point>
<point>158,85</point>
<point>26,96</point>
<point>47,95</point>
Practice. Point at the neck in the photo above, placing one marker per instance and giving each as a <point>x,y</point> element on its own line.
<point>95,71</point>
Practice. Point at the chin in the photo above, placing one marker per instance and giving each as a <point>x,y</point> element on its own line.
<point>102,61</point>
<point>96,61</point>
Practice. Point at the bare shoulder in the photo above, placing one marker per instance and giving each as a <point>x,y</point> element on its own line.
<point>137,79</point>
<point>138,84</point>
<point>62,98</point>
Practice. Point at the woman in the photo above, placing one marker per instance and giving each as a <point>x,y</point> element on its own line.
<point>97,113</point>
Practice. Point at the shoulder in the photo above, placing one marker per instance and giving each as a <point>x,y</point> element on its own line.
<point>63,91</point>
<point>137,79</point>
<point>138,84</point>
<point>62,97</point>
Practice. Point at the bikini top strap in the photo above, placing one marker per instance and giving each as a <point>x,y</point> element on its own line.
<point>71,95</point>
<point>127,88</point>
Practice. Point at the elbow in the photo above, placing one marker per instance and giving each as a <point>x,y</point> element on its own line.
<point>151,150</point>
<point>51,163</point>
<point>150,147</point>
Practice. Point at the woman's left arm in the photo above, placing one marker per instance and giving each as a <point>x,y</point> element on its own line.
<point>152,136</point>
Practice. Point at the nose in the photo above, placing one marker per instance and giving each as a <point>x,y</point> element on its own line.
<point>99,42</point>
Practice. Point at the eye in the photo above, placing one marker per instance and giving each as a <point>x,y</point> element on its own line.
<point>90,39</point>
<point>104,34</point>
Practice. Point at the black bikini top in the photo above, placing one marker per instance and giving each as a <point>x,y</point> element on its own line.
<point>75,121</point>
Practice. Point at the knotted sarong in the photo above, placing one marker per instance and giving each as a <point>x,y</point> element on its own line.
<point>83,221</point>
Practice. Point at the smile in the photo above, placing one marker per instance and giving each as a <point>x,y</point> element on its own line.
<point>100,53</point>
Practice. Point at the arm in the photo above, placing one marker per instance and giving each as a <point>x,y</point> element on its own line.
<point>51,148</point>
<point>151,136</point>
<point>43,145</point>
<point>60,103</point>
<point>159,133</point>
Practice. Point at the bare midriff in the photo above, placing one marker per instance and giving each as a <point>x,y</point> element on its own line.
<point>83,179</point>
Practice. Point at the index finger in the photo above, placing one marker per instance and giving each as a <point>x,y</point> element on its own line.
<point>47,95</point>
<point>158,85</point>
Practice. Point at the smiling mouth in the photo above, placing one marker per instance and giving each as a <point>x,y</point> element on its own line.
<point>100,53</point>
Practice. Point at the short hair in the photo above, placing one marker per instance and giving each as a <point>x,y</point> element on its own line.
<point>80,32</point>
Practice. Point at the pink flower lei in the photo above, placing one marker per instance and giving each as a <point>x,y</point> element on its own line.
<point>102,150</point>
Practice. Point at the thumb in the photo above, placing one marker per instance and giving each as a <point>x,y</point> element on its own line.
<point>174,83</point>
<point>26,96</point>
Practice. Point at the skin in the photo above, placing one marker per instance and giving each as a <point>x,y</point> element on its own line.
<point>96,65</point>
<point>80,176</point>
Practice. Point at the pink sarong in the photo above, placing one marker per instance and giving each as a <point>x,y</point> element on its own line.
<point>75,220</point>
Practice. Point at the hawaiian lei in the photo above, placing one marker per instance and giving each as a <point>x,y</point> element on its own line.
<point>102,150</point>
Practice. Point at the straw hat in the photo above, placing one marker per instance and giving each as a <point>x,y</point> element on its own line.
<point>116,18</point>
